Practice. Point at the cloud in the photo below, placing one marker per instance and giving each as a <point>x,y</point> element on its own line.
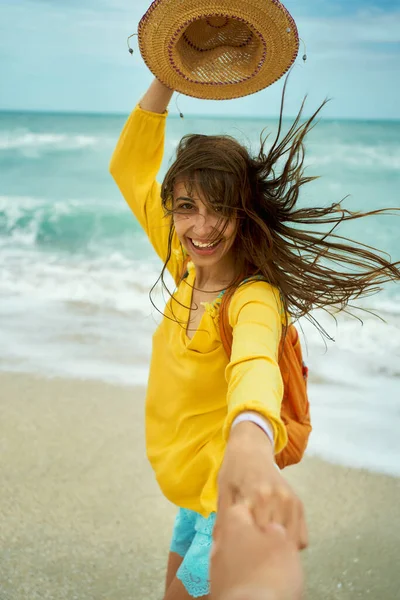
<point>366,42</point>
<point>340,8</point>
<point>363,28</point>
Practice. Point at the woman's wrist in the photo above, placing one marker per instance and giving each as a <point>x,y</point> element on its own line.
<point>157,98</point>
<point>250,437</point>
<point>259,420</point>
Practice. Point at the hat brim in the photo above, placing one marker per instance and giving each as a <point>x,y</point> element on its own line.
<point>223,71</point>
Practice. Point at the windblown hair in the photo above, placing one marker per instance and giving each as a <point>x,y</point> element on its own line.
<point>276,237</point>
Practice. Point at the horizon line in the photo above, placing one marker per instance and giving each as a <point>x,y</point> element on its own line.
<point>84,113</point>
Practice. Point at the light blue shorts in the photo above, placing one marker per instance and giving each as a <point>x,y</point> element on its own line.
<point>192,539</point>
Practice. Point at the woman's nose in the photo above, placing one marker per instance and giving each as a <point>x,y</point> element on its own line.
<point>204,225</point>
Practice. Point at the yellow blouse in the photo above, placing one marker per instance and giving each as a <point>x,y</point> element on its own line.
<point>194,392</point>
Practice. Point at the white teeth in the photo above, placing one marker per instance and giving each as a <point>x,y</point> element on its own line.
<point>201,245</point>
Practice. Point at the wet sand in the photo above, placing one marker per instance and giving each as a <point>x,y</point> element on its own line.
<point>81,517</point>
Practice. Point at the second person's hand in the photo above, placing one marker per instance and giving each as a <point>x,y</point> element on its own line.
<point>250,564</point>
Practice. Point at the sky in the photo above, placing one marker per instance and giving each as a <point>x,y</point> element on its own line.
<point>72,56</point>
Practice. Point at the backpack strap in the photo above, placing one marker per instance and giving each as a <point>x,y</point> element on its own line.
<point>225,328</point>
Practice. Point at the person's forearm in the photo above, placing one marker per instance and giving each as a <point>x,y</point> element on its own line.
<point>157,98</point>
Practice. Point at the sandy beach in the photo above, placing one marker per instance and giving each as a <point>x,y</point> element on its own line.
<point>81,516</point>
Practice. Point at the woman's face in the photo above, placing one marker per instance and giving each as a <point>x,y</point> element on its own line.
<point>206,236</point>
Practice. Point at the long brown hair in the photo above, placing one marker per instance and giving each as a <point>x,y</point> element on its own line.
<point>276,238</point>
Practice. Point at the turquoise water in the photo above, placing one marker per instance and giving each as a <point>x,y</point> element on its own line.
<point>76,268</point>
<point>55,188</point>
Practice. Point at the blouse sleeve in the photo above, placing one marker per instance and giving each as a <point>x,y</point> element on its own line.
<point>134,166</point>
<point>253,373</point>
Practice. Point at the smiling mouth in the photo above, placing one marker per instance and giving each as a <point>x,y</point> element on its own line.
<point>204,247</point>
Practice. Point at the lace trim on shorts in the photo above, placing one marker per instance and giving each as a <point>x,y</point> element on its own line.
<point>193,540</point>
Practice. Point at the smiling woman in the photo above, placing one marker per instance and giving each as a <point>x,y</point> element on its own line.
<point>201,228</point>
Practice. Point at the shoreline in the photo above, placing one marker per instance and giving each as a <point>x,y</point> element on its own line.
<point>83,517</point>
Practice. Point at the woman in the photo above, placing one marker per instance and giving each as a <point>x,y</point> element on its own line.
<point>213,423</point>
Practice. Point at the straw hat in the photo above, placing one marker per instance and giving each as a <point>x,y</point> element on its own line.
<point>218,49</point>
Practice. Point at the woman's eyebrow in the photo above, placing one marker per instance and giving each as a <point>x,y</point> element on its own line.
<point>185,198</point>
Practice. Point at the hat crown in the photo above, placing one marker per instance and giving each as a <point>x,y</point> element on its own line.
<point>218,49</point>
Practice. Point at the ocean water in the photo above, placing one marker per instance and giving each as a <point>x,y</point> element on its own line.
<point>76,269</point>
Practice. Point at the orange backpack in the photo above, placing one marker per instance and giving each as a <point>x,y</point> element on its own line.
<point>295,411</point>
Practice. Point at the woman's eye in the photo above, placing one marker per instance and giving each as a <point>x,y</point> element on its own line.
<point>185,206</point>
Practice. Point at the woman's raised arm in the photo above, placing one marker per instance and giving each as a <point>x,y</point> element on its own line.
<point>135,164</point>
